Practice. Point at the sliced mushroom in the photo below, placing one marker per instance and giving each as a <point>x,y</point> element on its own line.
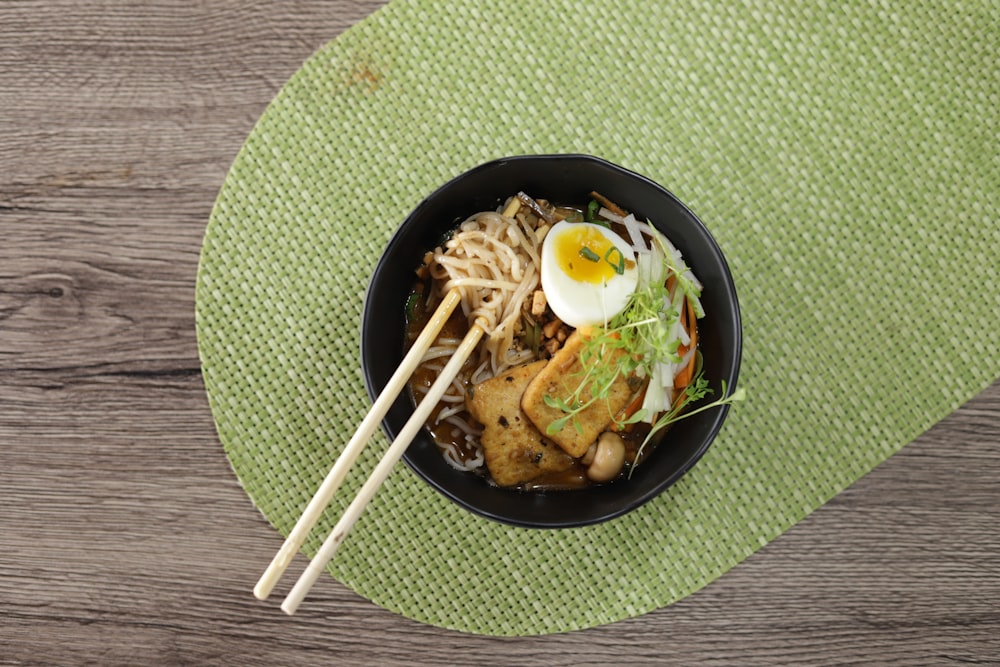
<point>609,458</point>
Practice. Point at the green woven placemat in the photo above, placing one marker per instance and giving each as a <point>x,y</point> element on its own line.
<point>844,155</point>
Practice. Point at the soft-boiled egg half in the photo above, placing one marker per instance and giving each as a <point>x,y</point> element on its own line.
<point>588,273</point>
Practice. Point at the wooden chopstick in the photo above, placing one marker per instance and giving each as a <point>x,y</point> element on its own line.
<point>382,470</point>
<point>354,447</point>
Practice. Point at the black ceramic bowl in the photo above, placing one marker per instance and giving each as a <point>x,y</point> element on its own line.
<point>562,179</point>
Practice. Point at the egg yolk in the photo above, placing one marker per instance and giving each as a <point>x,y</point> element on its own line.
<point>588,256</point>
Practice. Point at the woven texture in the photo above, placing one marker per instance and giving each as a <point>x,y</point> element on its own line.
<point>844,155</point>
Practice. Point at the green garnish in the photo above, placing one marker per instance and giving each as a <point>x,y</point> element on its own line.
<point>695,391</point>
<point>589,254</point>
<point>411,305</point>
<point>617,264</point>
<point>597,378</point>
<point>532,335</point>
<point>591,215</point>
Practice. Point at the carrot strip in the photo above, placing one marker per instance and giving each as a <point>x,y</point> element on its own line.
<point>683,379</point>
<point>690,323</point>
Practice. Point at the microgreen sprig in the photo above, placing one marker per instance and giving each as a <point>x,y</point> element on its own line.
<point>597,379</point>
<point>695,391</point>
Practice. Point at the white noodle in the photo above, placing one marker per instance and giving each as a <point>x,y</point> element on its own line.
<point>494,263</point>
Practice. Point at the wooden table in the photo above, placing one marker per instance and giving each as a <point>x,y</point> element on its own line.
<point>125,536</point>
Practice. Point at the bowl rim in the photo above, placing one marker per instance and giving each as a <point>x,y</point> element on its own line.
<point>655,489</point>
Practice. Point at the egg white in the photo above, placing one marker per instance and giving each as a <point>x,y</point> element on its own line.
<point>580,303</point>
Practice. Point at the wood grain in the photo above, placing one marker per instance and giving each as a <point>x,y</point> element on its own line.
<point>125,536</point>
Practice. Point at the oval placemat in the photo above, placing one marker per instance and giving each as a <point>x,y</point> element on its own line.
<point>844,156</point>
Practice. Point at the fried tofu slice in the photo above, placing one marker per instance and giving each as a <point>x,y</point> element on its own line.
<point>560,378</point>
<point>515,451</point>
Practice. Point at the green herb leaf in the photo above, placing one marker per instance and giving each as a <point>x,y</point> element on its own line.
<point>695,391</point>
<point>411,305</point>
<point>616,259</point>
<point>555,402</point>
<point>556,425</point>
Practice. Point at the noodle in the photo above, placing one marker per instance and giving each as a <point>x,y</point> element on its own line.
<point>493,261</point>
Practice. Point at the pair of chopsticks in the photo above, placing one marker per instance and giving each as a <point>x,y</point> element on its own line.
<point>354,447</point>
